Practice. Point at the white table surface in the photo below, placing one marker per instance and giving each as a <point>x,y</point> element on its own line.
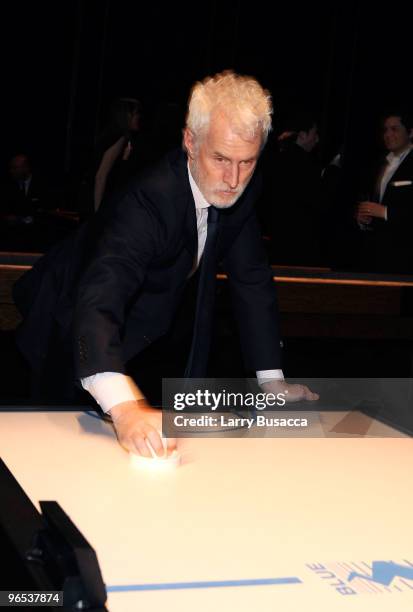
<point>236,509</point>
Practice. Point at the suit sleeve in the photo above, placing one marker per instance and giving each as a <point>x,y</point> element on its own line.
<point>399,199</point>
<point>254,299</point>
<point>400,213</point>
<point>109,285</point>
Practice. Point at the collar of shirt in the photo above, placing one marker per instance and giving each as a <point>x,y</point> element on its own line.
<point>25,184</point>
<point>392,158</point>
<point>200,201</point>
<point>201,210</point>
<point>393,162</point>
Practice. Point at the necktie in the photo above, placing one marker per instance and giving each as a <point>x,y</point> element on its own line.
<point>198,356</point>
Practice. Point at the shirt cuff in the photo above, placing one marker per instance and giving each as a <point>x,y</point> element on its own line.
<point>264,376</point>
<point>111,388</point>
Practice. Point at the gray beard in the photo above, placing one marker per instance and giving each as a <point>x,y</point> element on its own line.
<point>227,205</point>
<point>195,175</point>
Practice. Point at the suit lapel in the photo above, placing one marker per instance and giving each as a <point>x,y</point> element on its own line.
<point>191,231</point>
<point>400,172</point>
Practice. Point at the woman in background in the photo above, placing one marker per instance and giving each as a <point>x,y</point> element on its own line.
<point>114,148</point>
<point>113,161</point>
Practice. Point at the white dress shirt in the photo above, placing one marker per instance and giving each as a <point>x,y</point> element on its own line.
<point>393,162</point>
<point>111,388</point>
<point>25,185</point>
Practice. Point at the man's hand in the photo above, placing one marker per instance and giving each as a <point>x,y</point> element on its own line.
<point>292,393</point>
<point>137,423</point>
<point>367,210</point>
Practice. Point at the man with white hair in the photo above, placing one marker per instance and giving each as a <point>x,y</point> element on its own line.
<point>158,235</point>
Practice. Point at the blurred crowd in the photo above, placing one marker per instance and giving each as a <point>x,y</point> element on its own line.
<point>311,213</point>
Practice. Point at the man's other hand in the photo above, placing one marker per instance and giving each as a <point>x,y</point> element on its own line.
<point>367,210</point>
<point>137,423</point>
<point>292,393</point>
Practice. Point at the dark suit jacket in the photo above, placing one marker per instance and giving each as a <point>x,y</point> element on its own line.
<point>15,202</point>
<point>135,276</point>
<point>388,247</point>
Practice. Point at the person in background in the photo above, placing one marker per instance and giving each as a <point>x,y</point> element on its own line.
<point>29,209</point>
<point>112,160</point>
<point>295,200</point>
<point>386,217</point>
<point>23,195</point>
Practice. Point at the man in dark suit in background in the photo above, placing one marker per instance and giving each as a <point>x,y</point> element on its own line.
<point>30,219</point>
<point>294,198</point>
<point>23,195</point>
<point>387,216</point>
<point>154,240</point>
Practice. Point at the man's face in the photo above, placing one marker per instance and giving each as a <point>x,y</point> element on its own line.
<point>222,162</point>
<point>395,135</point>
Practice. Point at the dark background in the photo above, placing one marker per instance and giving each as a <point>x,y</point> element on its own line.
<point>64,61</point>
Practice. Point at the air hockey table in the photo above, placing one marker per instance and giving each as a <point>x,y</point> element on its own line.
<point>320,523</point>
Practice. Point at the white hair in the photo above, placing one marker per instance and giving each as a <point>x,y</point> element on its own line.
<point>240,98</point>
